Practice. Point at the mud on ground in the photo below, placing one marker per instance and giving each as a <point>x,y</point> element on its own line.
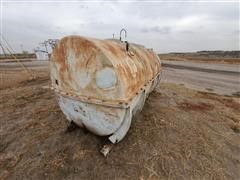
<point>180,134</point>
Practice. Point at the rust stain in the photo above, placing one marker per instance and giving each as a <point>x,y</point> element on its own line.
<point>134,69</point>
<point>114,50</point>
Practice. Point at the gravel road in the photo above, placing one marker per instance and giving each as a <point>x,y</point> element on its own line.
<point>218,78</point>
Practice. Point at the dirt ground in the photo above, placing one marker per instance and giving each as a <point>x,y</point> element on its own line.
<point>180,134</point>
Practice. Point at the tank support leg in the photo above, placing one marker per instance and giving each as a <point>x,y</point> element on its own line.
<point>118,135</point>
<point>106,148</point>
<point>71,126</point>
<point>122,131</point>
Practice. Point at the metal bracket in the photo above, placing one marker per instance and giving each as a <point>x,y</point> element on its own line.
<point>121,34</point>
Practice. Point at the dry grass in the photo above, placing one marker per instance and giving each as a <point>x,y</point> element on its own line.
<point>200,58</point>
<point>180,134</point>
<point>200,106</point>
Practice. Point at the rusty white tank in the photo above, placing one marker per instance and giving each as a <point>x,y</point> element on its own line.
<point>101,84</point>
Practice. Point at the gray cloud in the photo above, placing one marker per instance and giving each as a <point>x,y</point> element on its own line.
<point>157,29</point>
<point>164,26</point>
<point>187,32</point>
<point>163,30</point>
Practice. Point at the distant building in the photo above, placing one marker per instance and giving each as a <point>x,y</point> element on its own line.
<point>41,55</point>
<point>45,54</point>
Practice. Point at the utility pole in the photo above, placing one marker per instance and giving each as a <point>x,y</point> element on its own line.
<point>4,52</point>
<point>45,45</point>
<point>21,46</point>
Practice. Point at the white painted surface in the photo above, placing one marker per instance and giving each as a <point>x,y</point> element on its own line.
<point>83,78</point>
<point>100,120</point>
<point>106,78</point>
<point>103,120</point>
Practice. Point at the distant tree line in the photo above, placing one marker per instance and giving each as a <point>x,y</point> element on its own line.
<point>18,56</point>
<point>217,53</point>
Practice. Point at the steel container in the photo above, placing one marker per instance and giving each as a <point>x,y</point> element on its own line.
<point>101,84</point>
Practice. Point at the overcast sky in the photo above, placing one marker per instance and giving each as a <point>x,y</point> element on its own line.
<point>164,26</point>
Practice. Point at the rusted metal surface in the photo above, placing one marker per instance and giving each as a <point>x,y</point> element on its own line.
<point>106,148</point>
<point>100,84</point>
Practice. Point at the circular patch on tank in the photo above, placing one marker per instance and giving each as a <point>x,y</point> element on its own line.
<point>106,78</point>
